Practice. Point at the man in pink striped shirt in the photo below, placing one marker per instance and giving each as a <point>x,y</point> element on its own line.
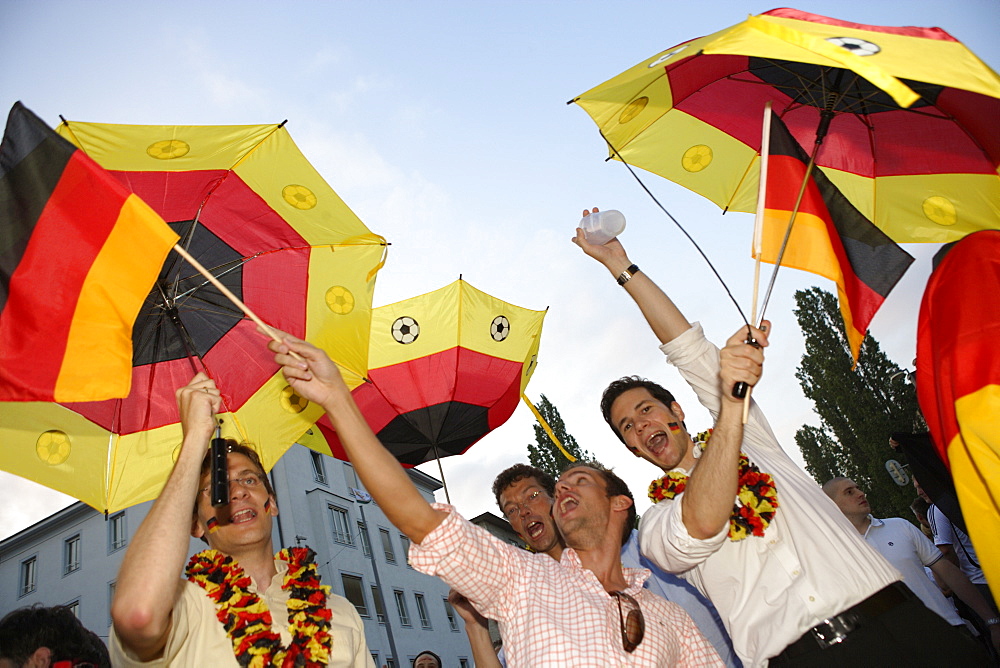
<point>583,611</point>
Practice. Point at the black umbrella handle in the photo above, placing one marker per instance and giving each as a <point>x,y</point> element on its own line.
<point>740,388</point>
<point>219,471</point>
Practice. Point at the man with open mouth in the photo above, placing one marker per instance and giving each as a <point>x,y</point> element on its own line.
<point>218,615</point>
<point>584,610</point>
<point>525,495</point>
<point>795,583</point>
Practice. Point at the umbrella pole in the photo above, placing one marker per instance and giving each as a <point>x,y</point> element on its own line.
<point>444,482</point>
<point>218,470</point>
<point>824,124</point>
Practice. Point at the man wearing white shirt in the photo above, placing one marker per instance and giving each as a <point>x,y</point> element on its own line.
<point>909,550</point>
<point>794,587</point>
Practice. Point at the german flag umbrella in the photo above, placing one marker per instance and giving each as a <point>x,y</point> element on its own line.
<point>958,384</point>
<point>445,369</point>
<point>248,206</point>
<point>909,117</point>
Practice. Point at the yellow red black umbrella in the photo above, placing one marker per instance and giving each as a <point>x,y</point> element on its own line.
<point>249,206</point>
<point>909,117</point>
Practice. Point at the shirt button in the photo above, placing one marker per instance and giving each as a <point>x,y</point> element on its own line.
<point>795,572</point>
<point>812,598</point>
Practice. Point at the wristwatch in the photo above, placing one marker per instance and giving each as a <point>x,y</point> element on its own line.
<point>624,277</point>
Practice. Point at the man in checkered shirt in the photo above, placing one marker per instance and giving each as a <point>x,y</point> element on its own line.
<point>583,611</point>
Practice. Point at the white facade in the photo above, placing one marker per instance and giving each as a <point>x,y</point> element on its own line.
<point>72,557</point>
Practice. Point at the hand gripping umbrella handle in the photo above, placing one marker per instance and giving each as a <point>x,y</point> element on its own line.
<point>219,471</point>
<point>740,388</point>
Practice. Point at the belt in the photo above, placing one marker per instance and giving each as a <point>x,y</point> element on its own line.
<point>833,630</point>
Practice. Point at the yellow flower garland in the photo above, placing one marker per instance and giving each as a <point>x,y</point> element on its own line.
<point>248,621</point>
<point>757,495</point>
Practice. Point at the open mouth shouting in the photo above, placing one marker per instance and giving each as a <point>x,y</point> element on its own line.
<point>243,516</point>
<point>534,529</point>
<point>657,443</point>
<point>567,504</point>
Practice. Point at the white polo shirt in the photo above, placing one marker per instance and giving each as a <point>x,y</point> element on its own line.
<point>909,551</point>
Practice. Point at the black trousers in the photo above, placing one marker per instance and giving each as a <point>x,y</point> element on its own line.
<point>908,634</point>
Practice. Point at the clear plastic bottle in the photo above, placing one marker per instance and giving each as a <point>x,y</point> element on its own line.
<point>602,226</point>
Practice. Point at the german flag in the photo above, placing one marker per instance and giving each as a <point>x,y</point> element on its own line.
<point>78,255</point>
<point>958,383</point>
<point>830,237</point>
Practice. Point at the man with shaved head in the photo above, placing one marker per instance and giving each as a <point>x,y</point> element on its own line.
<point>906,548</point>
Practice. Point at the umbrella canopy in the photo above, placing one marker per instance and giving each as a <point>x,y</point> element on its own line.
<point>248,206</point>
<point>446,368</point>
<point>922,173</point>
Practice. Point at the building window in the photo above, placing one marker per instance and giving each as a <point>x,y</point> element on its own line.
<point>379,604</point>
<point>425,619</point>
<point>449,611</point>
<point>350,477</point>
<point>366,542</point>
<point>27,583</point>
<point>405,542</point>
<point>319,468</point>
<point>111,597</point>
<point>390,663</point>
<point>404,613</point>
<point>375,658</point>
<point>117,534</point>
<point>463,663</point>
<point>341,525</point>
<point>71,554</point>
<point>74,607</point>
<point>354,591</point>
<point>390,556</point>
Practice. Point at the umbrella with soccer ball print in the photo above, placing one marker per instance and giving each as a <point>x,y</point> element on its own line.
<point>445,369</point>
<point>903,118</point>
<point>250,208</point>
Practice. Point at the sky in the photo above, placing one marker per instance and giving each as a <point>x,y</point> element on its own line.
<point>444,126</point>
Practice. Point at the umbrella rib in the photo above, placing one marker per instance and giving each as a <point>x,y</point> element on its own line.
<point>233,266</point>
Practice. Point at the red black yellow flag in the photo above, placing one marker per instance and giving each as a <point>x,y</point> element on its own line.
<point>78,255</point>
<point>830,237</point>
<point>958,383</point>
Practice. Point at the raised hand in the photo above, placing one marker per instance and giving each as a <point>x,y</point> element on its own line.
<point>741,361</point>
<point>198,402</point>
<point>314,376</point>
<point>612,254</point>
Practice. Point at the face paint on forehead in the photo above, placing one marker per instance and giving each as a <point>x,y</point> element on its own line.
<point>673,427</point>
<point>213,524</point>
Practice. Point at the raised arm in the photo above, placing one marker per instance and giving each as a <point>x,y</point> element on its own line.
<point>663,316</point>
<point>476,627</point>
<point>150,576</point>
<point>317,379</point>
<point>708,499</point>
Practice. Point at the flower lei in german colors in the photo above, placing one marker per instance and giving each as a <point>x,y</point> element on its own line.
<point>248,621</point>
<point>757,497</point>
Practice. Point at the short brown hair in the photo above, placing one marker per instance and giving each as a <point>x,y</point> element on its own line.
<point>615,487</point>
<point>623,385</point>
<point>517,472</point>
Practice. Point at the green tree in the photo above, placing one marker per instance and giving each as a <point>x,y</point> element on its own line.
<point>858,409</point>
<point>543,453</point>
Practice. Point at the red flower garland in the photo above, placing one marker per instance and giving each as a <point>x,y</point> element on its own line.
<point>756,501</point>
<point>248,621</point>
